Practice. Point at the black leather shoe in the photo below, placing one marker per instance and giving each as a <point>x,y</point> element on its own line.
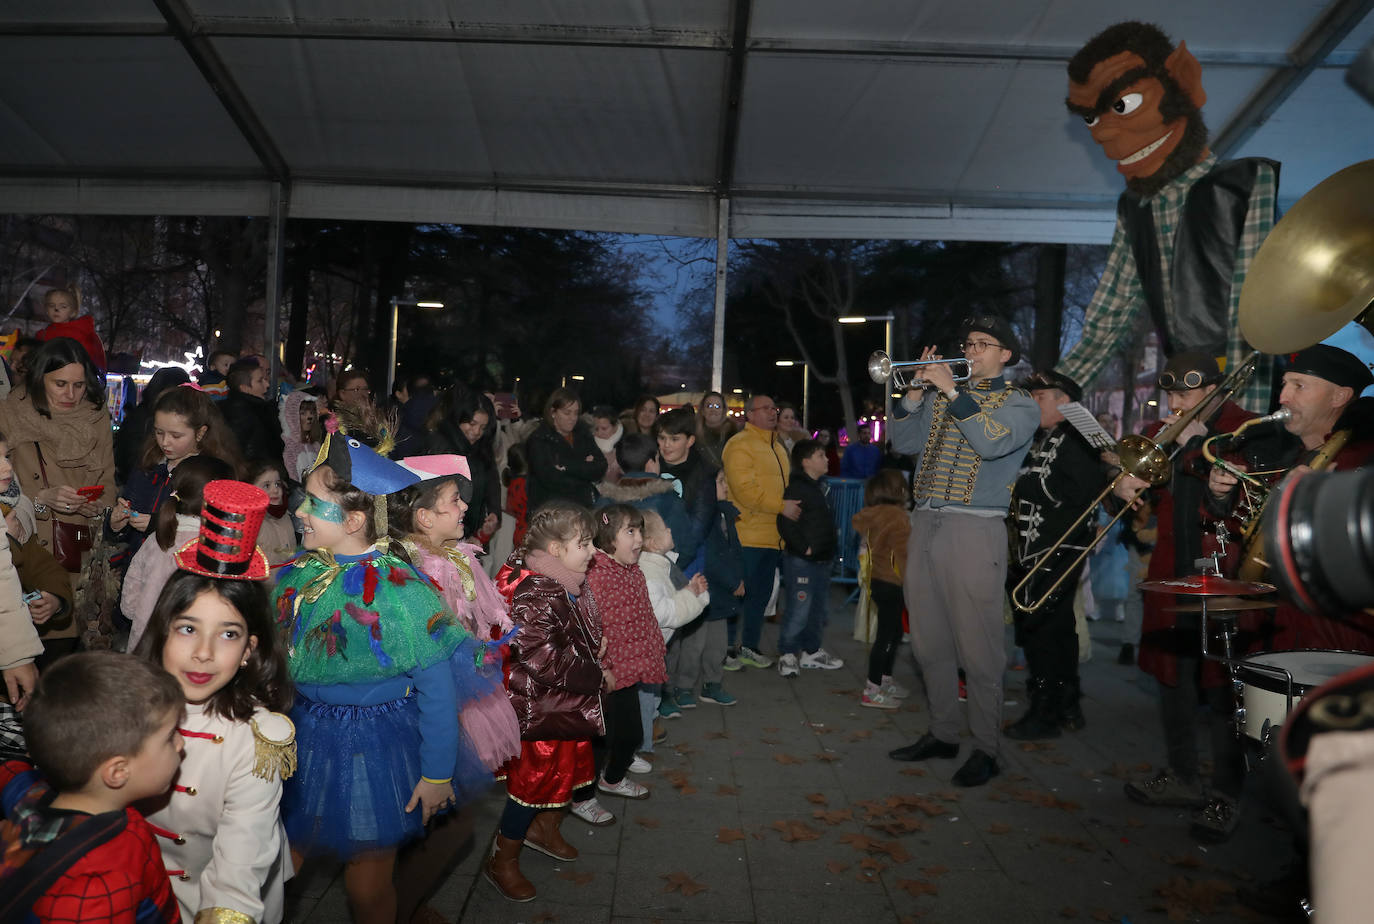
<point>977,770</point>
<point>926,747</point>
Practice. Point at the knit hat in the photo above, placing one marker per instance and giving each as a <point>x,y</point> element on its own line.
<point>231,514</point>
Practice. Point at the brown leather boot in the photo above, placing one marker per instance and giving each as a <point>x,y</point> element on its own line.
<point>544,836</point>
<point>502,870</point>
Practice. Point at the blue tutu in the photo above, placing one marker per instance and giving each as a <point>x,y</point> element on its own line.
<point>357,766</point>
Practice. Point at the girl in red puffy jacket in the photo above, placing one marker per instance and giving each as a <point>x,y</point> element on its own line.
<point>554,683</point>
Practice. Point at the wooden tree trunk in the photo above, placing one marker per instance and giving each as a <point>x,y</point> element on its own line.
<point>1049,304</point>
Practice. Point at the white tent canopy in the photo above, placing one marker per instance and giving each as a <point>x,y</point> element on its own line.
<point>926,119</point>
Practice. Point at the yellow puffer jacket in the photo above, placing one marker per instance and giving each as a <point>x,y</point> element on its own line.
<point>757,469</point>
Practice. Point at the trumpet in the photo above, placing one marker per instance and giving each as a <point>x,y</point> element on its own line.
<point>881,368</point>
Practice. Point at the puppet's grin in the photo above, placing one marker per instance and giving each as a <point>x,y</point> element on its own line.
<point>1143,152</point>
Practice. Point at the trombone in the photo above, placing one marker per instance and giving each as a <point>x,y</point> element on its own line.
<point>1150,460</point>
<point>881,368</point>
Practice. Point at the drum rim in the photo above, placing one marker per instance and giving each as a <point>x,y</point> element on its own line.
<point>1271,684</point>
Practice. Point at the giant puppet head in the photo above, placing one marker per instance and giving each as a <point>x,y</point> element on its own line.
<point>1142,99</point>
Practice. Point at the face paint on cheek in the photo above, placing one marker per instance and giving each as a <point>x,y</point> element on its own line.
<point>320,509</point>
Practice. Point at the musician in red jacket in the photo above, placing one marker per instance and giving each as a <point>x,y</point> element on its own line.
<point>1170,649</point>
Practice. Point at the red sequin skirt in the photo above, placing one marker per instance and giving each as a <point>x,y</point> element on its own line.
<point>546,772</point>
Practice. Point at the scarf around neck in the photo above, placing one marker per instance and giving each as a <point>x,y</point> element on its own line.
<point>542,562</point>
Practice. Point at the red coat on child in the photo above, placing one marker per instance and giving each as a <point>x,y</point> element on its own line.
<point>634,644</point>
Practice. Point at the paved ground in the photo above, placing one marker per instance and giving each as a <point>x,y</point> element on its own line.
<point>787,808</point>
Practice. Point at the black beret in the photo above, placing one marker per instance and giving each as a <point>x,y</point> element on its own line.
<point>1337,366</point>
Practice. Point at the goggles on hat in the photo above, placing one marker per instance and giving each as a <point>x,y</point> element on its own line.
<point>1190,379</point>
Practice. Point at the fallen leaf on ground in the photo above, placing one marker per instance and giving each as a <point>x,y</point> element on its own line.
<point>681,882</point>
<point>1185,898</point>
<point>1063,840</point>
<point>1184,861</point>
<point>837,866</point>
<point>1135,822</point>
<point>873,865</point>
<point>835,817</point>
<point>679,781</point>
<point>949,795</point>
<point>725,789</point>
<point>828,756</point>
<point>1068,911</point>
<point>1029,746</point>
<point>770,728</point>
<point>729,835</point>
<point>684,749</point>
<point>716,735</point>
<point>913,771</point>
<point>899,826</point>
<point>817,798</point>
<point>917,887</point>
<point>861,734</point>
<point>544,917</point>
<point>646,822</point>
<point>934,871</point>
<point>788,759</point>
<point>792,830</point>
<point>577,877</point>
<point>771,742</point>
<point>1102,914</point>
<point>998,828</point>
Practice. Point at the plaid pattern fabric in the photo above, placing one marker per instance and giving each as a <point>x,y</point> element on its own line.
<point>1119,299</point>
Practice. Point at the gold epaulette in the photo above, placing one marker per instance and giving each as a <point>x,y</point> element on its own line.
<point>222,916</point>
<point>274,747</point>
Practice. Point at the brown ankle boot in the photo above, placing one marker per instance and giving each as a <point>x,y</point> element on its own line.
<point>544,836</point>
<point>502,870</point>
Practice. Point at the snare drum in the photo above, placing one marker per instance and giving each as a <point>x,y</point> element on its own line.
<point>1266,687</point>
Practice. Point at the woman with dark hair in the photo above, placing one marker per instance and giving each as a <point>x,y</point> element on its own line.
<point>643,415</point>
<point>563,456</point>
<point>138,422</point>
<point>462,423</point>
<point>60,440</point>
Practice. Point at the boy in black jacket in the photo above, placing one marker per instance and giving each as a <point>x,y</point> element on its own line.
<point>808,551</point>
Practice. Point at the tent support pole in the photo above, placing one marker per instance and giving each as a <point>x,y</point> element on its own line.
<point>276,232</point>
<point>722,253</point>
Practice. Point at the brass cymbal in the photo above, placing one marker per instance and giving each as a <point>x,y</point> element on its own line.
<point>1206,585</point>
<point>1224,605</point>
<point>1315,271</point>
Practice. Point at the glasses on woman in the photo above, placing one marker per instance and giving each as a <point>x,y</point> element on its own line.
<point>713,405</point>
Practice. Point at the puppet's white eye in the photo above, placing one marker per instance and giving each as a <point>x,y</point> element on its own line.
<point>1090,121</point>
<point>1128,103</point>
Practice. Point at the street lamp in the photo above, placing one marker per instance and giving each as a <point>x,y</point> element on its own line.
<point>396,304</point>
<point>887,320</point>
<point>806,383</point>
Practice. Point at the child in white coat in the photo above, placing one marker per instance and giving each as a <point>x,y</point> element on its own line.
<point>676,602</point>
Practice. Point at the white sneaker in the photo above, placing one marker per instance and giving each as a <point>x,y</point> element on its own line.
<point>593,813</point>
<point>821,660</point>
<point>640,765</point>
<point>626,788</point>
<point>894,690</point>
<point>787,665</point>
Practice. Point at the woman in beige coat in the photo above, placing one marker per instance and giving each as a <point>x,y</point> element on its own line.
<point>60,438</point>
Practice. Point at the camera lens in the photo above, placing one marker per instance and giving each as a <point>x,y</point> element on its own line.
<point>1319,541</point>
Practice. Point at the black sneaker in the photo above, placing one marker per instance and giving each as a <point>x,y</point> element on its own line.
<point>1164,788</point>
<point>1127,654</point>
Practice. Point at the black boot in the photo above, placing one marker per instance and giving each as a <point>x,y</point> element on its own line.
<point>1070,711</point>
<point>1041,719</point>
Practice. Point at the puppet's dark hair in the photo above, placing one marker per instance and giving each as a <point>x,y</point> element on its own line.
<point>1144,39</point>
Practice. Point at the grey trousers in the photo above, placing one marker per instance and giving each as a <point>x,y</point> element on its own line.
<point>701,652</point>
<point>956,571</point>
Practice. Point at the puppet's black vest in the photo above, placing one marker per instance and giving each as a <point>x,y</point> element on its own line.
<point>1209,230</point>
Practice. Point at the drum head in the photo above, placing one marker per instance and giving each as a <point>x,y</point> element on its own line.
<point>1310,668</point>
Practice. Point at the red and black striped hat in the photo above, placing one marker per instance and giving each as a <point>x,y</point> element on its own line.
<point>231,513</point>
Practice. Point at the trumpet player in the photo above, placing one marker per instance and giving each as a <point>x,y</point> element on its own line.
<point>968,443</point>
